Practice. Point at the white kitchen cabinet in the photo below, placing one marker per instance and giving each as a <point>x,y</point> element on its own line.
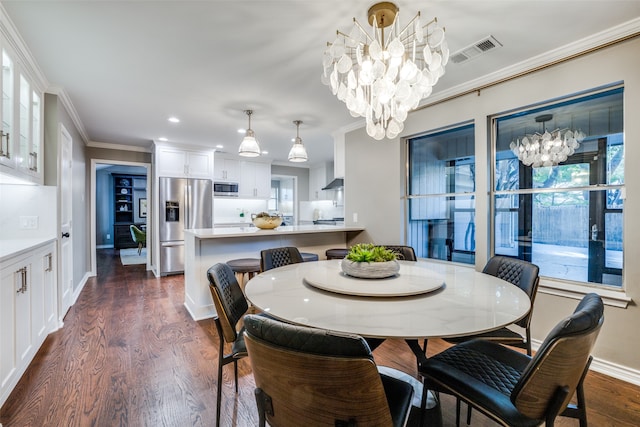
<point>27,311</point>
<point>255,180</point>
<point>318,179</point>
<point>225,169</point>
<point>21,113</point>
<point>183,163</point>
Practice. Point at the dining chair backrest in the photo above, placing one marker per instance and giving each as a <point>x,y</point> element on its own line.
<point>278,257</point>
<point>560,362</point>
<point>521,273</point>
<point>308,376</point>
<point>228,299</point>
<point>406,253</point>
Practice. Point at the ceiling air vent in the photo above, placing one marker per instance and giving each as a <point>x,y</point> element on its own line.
<point>476,49</point>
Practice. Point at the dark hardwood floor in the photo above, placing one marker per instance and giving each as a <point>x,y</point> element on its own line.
<point>130,355</point>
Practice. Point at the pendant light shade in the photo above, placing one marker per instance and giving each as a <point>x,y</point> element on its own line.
<point>249,146</point>
<point>298,153</point>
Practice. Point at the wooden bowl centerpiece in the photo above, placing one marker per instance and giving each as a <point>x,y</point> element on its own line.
<point>368,261</point>
<point>265,221</point>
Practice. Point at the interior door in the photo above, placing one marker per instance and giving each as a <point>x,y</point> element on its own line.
<point>66,223</point>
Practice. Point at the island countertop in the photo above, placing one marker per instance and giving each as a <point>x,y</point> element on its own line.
<point>204,248</point>
<point>225,232</point>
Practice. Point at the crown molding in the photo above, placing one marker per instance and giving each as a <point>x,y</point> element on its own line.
<point>617,34</point>
<point>120,147</point>
<point>71,110</point>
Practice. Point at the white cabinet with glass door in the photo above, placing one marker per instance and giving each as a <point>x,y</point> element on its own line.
<point>21,113</point>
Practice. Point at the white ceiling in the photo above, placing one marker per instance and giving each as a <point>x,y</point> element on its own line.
<point>127,66</point>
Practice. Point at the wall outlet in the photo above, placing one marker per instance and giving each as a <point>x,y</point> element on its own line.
<point>28,222</point>
<point>355,217</point>
<point>108,236</point>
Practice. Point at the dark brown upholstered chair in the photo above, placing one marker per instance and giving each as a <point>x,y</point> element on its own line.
<point>277,257</point>
<point>406,253</point>
<point>231,306</point>
<point>513,388</point>
<point>313,377</point>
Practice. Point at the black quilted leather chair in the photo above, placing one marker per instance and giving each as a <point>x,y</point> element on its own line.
<point>513,388</point>
<point>406,253</point>
<point>313,377</point>
<point>277,257</point>
<point>231,306</point>
<point>524,275</point>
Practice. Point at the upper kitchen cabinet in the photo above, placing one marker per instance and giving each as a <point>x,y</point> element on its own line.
<point>183,163</point>
<point>21,114</point>
<point>255,180</point>
<point>225,169</point>
<point>319,177</point>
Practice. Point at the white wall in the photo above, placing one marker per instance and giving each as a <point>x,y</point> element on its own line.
<point>375,174</point>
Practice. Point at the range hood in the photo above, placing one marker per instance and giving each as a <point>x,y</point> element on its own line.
<point>336,184</point>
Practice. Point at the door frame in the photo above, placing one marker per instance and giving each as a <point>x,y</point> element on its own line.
<point>150,205</point>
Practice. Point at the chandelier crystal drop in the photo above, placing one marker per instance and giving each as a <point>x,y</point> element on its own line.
<point>298,153</point>
<point>249,146</point>
<point>380,75</point>
<point>547,148</point>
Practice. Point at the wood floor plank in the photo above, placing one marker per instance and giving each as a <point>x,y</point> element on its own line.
<point>130,355</point>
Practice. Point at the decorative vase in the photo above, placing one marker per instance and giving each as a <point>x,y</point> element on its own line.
<point>370,270</point>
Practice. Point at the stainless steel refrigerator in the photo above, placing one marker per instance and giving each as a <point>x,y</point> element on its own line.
<point>184,203</point>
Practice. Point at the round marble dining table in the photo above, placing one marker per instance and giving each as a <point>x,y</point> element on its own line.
<point>426,299</point>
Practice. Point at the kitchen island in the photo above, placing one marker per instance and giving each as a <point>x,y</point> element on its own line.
<point>206,247</point>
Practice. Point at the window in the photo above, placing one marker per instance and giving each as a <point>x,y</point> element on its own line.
<point>565,218</point>
<point>441,195</point>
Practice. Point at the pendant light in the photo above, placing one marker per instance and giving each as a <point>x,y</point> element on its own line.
<point>298,153</point>
<point>249,146</point>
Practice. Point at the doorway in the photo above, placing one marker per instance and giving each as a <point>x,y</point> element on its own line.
<point>284,198</point>
<point>111,213</point>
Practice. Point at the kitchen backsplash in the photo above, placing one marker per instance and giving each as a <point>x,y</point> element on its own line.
<point>227,210</point>
<point>29,211</point>
<point>320,209</point>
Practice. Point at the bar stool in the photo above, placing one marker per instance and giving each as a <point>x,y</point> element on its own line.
<point>308,256</point>
<point>242,266</point>
<point>337,253</point>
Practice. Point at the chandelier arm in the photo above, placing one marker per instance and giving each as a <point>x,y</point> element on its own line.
<point>357,24</point>
<point>409,24</point>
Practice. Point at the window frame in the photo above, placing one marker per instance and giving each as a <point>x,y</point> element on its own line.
<point>613,295</point>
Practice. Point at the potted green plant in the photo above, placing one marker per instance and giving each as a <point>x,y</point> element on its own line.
<point>366,260</point>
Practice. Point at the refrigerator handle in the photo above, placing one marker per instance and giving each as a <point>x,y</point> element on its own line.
<point>187,205</point>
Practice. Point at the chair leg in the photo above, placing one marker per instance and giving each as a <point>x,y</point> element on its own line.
<point>219,392</point>
<point>139,248</point>
<point>579,410</point>
<point>235,373</point>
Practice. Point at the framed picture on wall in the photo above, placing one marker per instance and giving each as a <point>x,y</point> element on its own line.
<point>142,207</point>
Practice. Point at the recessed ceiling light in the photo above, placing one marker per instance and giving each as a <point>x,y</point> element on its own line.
<point>174,120</point>
<point>242,130</point>
<point>163,139</point>
<point>219,146</point>
<point>265,152</point>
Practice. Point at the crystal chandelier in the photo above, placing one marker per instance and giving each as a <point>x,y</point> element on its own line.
<point>547,148</point>
<point>382,76</point>
<point>298,153</point>
<point>249,146</point>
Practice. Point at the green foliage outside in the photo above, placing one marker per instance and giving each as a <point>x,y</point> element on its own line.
<point>368,252</point>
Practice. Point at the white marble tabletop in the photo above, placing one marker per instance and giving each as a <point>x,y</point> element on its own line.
<point>468,302</point>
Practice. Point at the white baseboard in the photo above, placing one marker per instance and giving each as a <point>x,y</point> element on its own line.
<point>78,290</point>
